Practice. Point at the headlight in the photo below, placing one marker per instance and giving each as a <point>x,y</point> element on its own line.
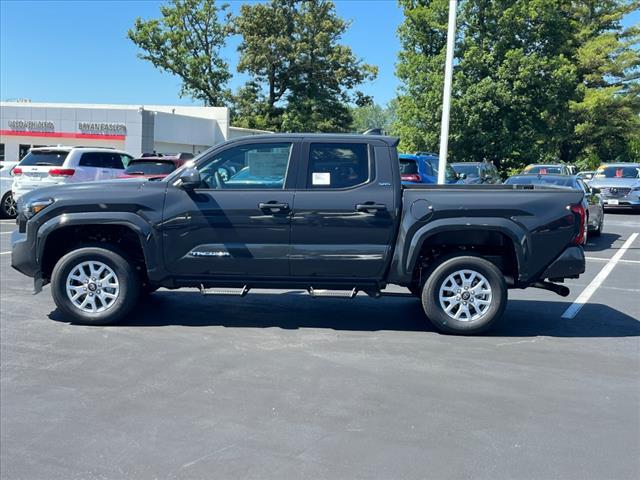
<point>32,208</point>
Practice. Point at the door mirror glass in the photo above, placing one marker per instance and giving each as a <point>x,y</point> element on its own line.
<point>189,178</point>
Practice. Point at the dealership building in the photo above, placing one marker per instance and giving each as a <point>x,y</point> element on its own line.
<point>135,129</point>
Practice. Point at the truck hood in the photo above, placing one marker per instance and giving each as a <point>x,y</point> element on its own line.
<point>93,192</point>
<point>615,182</point>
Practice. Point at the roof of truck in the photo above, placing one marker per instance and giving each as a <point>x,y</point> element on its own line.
<point>391,141</point>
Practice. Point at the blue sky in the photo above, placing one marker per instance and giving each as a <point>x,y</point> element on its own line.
<point>77,51</point>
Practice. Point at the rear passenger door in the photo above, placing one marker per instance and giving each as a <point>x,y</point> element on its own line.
<point>344,212</point>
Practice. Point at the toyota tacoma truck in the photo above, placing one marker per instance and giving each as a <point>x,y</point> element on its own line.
<point>321,212</point>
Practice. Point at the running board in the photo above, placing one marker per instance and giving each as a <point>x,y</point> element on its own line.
<point>236,292</point>
<point>332,293</point>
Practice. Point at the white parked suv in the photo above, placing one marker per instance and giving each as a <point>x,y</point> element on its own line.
<point>46,166</point>
<point>7,203</point>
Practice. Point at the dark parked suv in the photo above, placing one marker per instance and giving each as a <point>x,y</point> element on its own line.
<point>326,213</point>
<point>476,172</point>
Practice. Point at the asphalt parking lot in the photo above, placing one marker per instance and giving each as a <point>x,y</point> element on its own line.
<point>279,385</point>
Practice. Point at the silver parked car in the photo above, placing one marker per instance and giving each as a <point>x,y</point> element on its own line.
<point>619,185</point>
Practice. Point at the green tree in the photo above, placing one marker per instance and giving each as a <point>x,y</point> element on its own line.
<point>373,116</point>
<point>607,104</point>
<point>306,78</point>
<point>535,80</point>
<point>186,42</point>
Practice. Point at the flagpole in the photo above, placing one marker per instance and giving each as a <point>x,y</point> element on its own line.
<point>446,97</point>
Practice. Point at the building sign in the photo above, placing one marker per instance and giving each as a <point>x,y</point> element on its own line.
<point>31,126</point>
<point>100,128</point>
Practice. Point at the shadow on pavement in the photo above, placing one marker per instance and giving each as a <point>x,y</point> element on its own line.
<point>521,319</point>
<point>601,243</point>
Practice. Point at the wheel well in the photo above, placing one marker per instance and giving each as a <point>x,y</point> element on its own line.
<point>65,239</point>
<point>491,245</point>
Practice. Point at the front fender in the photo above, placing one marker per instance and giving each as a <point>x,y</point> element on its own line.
<point>412,237</point>
<point>149,241</point>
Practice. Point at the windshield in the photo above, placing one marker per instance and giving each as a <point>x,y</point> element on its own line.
<point>148,167</point>
<point>408,167</point>
<point>44,158</point>
<point>542,180</point>
<point>470,170</point>
<point>632,171</point>
<point>450,173</point>
<point>544,170</point>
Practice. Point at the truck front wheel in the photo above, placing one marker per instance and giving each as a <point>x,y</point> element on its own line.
<point>94,285</point>
<point>464,295</point>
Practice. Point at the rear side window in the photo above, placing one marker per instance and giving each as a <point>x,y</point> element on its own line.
<point>337,165</point>
<point>44,158</point>
<point>92,159</point>
<point>113,160</point>
<point>408,167</point>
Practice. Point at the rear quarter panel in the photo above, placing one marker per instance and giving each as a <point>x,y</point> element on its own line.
<point>539,222</point>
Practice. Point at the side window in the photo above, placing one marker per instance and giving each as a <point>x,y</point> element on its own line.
<point>113,160</point>
<point>91,159</point>
<point>337,165</point>
<point>248,167</point>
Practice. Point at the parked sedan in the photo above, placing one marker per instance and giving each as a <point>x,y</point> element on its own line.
<point>423,168</point>
<point>593,202</point>
<point>548,169</point>
<point>476,172</point>
<point>7,203</point>
<point>619,184</point>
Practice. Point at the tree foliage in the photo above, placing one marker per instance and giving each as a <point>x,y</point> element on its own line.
<point>302,77</point>
<point>535,80</point>
<point>373,116</point>
<point>186,42</point>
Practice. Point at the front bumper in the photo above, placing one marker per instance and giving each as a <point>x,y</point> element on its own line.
<point>570,263</point>
<point>23,255</point>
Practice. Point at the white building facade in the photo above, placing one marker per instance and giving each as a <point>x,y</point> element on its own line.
<point>135,129</point>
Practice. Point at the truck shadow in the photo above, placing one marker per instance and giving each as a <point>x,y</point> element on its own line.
<point>523,318</point>
<point>601,243</point>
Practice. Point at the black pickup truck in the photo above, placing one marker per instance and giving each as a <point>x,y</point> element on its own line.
<point>325,213</point>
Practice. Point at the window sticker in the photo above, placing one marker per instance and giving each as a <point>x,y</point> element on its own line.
<point>321,178</point>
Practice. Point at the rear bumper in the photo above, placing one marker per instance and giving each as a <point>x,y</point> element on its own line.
<point>570,263</point>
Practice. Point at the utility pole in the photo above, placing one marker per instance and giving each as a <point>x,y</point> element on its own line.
<point>446,96</point>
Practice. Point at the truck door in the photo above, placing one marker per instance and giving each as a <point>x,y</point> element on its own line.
<point>345,211</point>
<point>238,223</point>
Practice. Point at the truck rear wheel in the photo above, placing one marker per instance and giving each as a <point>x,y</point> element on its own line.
<point>95,285</point>
<point>464,295</point>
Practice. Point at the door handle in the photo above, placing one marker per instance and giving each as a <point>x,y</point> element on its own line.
<point>367,207</point>
<point>273,206</point>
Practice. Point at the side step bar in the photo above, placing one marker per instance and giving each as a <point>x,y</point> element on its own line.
<point>332,293</point>
<point>237,292</point>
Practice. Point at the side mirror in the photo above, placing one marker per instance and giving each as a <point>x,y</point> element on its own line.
<point>189,179</point>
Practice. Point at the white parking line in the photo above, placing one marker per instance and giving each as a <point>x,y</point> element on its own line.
<point>584,297</point>
<point>598,259</point>
<point>5,253</point>
<point>6,233</point>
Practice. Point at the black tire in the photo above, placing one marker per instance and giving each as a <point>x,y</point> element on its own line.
<point>8,206</point>
<point>435,311</point>
<point>598,231</point>
<point>129,285</point>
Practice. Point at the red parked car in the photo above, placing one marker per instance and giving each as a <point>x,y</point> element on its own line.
<point>155,166</point>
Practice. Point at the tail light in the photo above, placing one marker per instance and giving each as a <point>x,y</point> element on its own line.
<point>61,172</point>
<point>582,215</point>
<point>410,177</point>
<point>16,171</point>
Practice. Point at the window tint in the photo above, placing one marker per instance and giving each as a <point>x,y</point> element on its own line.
<point>250,167</point>
<point>337,165</point>
<point>113,160</point>
<point>408,167</point>
<point>92,159</point>
<point>150,167</point>
<point>44,158</point>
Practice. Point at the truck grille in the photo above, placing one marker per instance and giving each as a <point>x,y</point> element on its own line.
<point>615,192</point>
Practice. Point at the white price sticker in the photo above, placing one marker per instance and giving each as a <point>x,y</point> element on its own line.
<point>321,178</point>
